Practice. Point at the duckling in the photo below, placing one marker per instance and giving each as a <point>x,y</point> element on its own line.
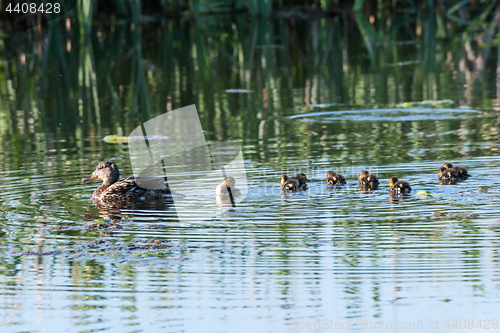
<point>398,186</point>
<point>294,184</point>
<point>367,180</point>
<point>333,178</point>
<point>115,192</point>
<point>448,175</point>
<point>228,183</point>
<point>460,170</point>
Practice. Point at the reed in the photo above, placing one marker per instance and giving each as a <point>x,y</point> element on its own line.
<point>110,77</point>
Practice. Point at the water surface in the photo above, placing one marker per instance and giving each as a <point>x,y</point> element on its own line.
<point>304,96</point>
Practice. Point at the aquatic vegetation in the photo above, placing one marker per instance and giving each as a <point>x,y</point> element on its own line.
<point>35,253</point>
<point>97,226</point>
<point>101,220</point>
<point>115,138</point>
<point>425,194</point>
<point>126,139</point>
<point>428,104</point>
<point>68,89</point>
<point>441,214</point>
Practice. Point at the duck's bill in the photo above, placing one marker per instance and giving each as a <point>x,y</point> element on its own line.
<point>86,179</point>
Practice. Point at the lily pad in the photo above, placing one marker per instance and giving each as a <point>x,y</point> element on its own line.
<point>119,138</point>
<point>427,104</point>
<point>116,138</point>
<point>424,194</point>
<point>100,220</point>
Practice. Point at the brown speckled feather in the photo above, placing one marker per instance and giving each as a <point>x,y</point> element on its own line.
<point>368,181</point>
<point>116,192</point>
<point>399,186</point>
<point>333,178</point>
<point>294,184</point>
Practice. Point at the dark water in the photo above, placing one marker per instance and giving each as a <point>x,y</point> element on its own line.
<point>312,96</point>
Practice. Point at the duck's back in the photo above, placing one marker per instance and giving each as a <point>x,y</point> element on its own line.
<point>461,171</point>
<point>127,190</point>
<point>336,179</point>
<point>400,187</point>
<point>294,184</point>
<point>369,181</point>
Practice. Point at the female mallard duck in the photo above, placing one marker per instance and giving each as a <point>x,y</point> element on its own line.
<point>113,191</point>
<point>460,170</point>
<point>398,186</point>
<point>294,184</point>
<point>333,178</point>
<point>226,186</point>
<point>367,180</point>
<point>448,175</point>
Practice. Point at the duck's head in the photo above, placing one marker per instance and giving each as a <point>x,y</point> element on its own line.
<point>392,181</point>
<point>284,178</point>
<point>363,173</point>
<point>442,170</point>
<point>229,181</point>
<point>302,177</point>
<point>331,174</point>
<point>106,171</point>
<point>447,165</point>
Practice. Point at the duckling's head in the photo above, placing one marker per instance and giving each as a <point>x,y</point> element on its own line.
<point>392,181</point>
<point>229,181</point>
<point>302,177</point>
<point>331,174</point>
<point>442,170</point>
<point>106,171</point>
<point>363,173</point>
<point>284,178</point>
<point>447,165</point>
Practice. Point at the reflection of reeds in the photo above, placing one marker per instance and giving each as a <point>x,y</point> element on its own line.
<point>85,12</point>
<point>111,78</point>
<point>460,12</point>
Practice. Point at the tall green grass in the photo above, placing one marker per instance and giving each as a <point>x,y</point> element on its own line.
<point>108,77</point>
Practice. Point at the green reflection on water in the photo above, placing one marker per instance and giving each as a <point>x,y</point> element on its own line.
<point>58,104</point>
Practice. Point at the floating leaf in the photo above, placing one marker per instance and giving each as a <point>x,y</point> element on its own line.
<point>424,194</point>
<point>427,104</point>
<point>116,138</point>
<point>101,220</point>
